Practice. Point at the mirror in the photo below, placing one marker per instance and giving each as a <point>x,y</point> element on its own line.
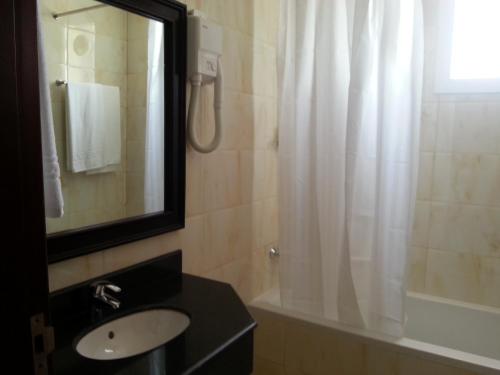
<point>115,71</point>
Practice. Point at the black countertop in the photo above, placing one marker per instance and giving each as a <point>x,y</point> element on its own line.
<point>218,319</point>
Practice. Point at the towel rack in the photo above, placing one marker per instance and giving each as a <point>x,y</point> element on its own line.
<point>75,11</point>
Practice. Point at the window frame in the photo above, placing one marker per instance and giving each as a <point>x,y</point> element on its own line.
<point>443,83</point>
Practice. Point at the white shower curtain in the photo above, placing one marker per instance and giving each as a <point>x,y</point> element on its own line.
<point>350,77</point>
<point>155,123</point>
<point>53,196</point>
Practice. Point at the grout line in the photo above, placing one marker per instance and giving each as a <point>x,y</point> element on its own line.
<point>468,153</point>
<point>468,253</point>
<point>458,203</point>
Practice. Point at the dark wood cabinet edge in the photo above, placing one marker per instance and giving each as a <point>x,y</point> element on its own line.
<point>24,265</point>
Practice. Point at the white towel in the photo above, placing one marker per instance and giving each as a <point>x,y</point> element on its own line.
<point>54,202</point>
<point>93,134</point>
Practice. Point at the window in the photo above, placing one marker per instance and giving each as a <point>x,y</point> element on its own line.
<point>469,49</point>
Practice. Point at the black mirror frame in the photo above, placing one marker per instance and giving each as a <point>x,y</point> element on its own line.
<point>73,243</point>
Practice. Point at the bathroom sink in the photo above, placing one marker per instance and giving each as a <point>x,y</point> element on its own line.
<point>132,334</point>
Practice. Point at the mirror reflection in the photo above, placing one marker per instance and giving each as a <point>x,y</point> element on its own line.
<point>104,67</point>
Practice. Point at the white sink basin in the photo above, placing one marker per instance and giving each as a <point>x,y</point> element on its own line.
<point>132,334</point>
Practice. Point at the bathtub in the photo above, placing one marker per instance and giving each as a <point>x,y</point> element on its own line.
<point>442,337</point>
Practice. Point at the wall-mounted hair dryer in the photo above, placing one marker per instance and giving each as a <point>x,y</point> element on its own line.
<point>204,67</point>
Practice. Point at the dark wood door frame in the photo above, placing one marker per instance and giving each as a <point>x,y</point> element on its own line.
<point>24,262</point>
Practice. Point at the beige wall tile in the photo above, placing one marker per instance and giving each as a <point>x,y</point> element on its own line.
<point>417,269</point>
<point>467,178</point>
<point>237,14</point>
<point>239,121</point>
<point>237,60</point>
<point>111,22</point>
<point>137,27</point>
<point>75,270</point>
<point>489,281</point>
<point>264,271</point>
<point>269,336</point>
<point>381,361</point>
<point>239,274</point>
<point>340,353</point>
<point>303,349</point>
<point>228,234</point>
<point>195,184</point>
<point>428,127</point>
<point>259,174</point>
<point>56,225</point>
<point>412,365</point>
<point>428,92</point>
<point>81,75</point>
<point>221,176</point>
<point>453,275</point>
<point>249,275</point>
<point>75,4</point>
<point>421,224</point>
<point>82,21</point>
<point>135,156</point>
<point>84,195</point>
<point>444,132</point>
<point>55,41</point>
<point>135,252</point>
<point>425,176</point>
<point>136,90</point>
<point>467,127</point>
<point>265,367</point>
<point>266,20</point>
<point>111,54</point>
<point>54,6</point>
<point>136,129</point>
<point>137,56</point>
<point>269,222</point>
<point>135,181</point>
<point>465,228</point>
<point>264,70</point>
<point>195,250</point>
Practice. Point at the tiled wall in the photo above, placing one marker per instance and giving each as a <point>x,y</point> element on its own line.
<point>286,346</point>
<point>86,47</point>
<point>456,242</point>
<point>232,209</point>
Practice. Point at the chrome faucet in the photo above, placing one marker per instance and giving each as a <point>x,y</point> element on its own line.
<point>100,288</point>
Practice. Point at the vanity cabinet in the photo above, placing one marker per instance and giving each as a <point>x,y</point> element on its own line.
<point>219,339</point>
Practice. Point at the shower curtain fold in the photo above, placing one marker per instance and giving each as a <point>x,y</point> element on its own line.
<point>155,121</point>
<point>350,77</point>
<point>53,197</point>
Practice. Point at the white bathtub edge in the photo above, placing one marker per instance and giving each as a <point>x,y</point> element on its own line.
<point>452,357</point>
<point>453,302</point>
